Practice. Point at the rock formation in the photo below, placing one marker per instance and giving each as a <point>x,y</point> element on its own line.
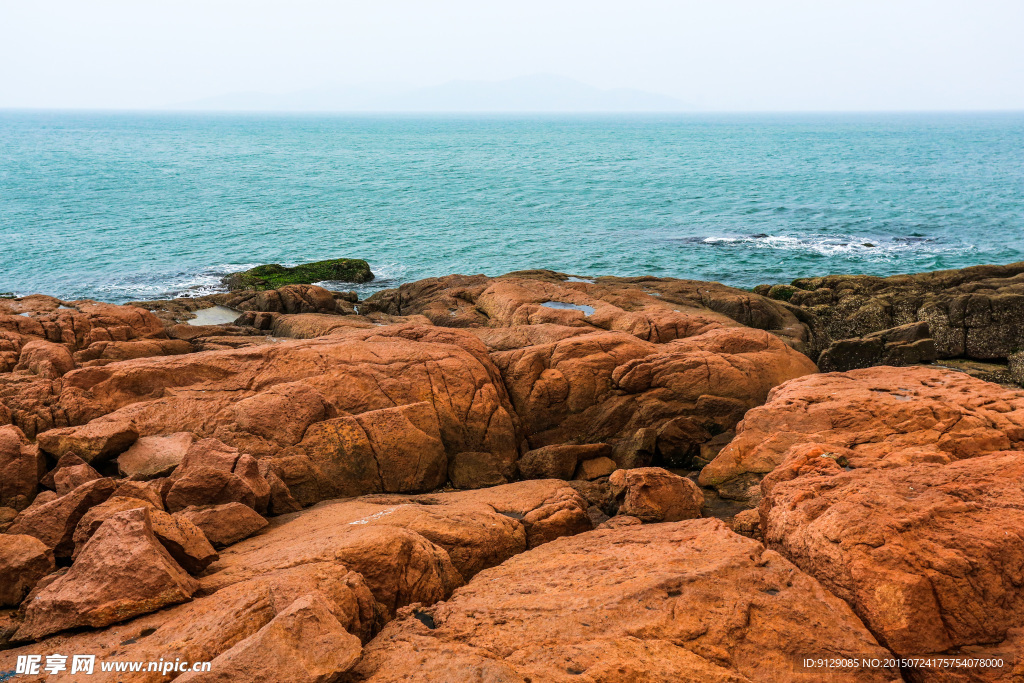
<point>466,476</point>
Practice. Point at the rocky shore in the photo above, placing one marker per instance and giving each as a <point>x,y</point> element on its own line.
<point>534,477</point>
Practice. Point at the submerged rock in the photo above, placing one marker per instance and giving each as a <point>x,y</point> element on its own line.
<point>272,276</point>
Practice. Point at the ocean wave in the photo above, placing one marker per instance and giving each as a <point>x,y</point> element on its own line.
<point>156,286</point>
<point>836,245</point>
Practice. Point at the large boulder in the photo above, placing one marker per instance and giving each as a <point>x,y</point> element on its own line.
<point>304,643</point>
<point>213,473</point>
<point>45,359</point>
<point>264,399</point>
<point>689,601</point>
<point>123,571</point>
<point>185,542</point>
<point>439,540</point>
<point>870,417</point>
<point>930,555</point>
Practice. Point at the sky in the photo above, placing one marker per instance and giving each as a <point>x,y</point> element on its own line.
<point>725,55</point>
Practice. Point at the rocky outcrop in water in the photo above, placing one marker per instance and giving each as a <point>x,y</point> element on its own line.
<point>408,487</point>
<point>972,313</point>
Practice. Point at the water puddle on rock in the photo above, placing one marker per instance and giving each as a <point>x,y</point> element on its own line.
<point>215,315</point>
<point>562,305</point>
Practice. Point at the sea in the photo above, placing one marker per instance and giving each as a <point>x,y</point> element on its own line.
<point>131,206</point>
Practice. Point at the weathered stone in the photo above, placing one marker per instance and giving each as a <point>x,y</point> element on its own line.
<point>45,359</point>
<point>474,471</point>
<point>224,524</point>
<point>652,494</point>
<point>206,627</point>
<point>872,416</point>
<point>928,554</point>
<point>23,561</point>
<point>154,456</point>
<point>54,522</point>
<point>303,643</point>
<point>689,601</point>
<point>93,442</point>
<point>595,468</point>
<point>21,466</point>
<point>123,571</point>
<point>558,462</point>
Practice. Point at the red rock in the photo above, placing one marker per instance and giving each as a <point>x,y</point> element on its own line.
<point>123,572</point>
<point>883,415</point>
<point>929,555</point>
<point>391,450</point>
<point>23,561</point>
<point>688,601</point>
<point>54,522</point>
<point>474,471</point>
<point>209,626</point>
<point>359,371</point>
<point>45,359</point>
<point>212,473</point>
<point>304,643</point>
<point>183,540</point>
<point>96,515</point>
<point>94,442</point>
<point>67,460</point>
<point>224,524</point>
<point>67,479</point>
<point>606,385</point>
<point>154,456</point>
<point>652,494</point>
<point>140,490</point>
<point>21,466</point>
<point>410,548</point>
<point>103,352</point>
<point>619,521</point>
<point>281,500</point>
<point>558,462</point>
<point>595,468</point>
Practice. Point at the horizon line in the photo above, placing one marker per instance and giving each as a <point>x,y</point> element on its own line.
<point>470,112</point>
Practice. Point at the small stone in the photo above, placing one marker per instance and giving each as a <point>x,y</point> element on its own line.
<point>23,561</point>
<point>224,524</point>
<point>474,471</point>
<point>653,494</point>
<point>595,468</point>
<point>154,456</point>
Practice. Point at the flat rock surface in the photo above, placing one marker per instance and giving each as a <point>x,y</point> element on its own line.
<point>689,601</point>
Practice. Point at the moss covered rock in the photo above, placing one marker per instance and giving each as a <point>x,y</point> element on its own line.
<point>273,275</point>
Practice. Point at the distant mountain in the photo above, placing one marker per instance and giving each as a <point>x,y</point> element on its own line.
<point>539,93</point>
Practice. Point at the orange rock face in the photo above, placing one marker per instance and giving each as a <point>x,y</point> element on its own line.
<point>709,605</point>
<point>871,417</point>
<point>406,488</point>
<point>123,571</point>
<point>929,555</point>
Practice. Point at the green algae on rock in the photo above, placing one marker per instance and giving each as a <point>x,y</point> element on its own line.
<point>273,275</point>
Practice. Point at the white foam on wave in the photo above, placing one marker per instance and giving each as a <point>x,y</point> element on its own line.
<point>841,245</point>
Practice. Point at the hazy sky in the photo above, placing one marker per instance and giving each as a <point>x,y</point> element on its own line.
<point>717,54</point>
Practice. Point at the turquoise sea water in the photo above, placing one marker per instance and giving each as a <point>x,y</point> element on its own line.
<point>131,206</point>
